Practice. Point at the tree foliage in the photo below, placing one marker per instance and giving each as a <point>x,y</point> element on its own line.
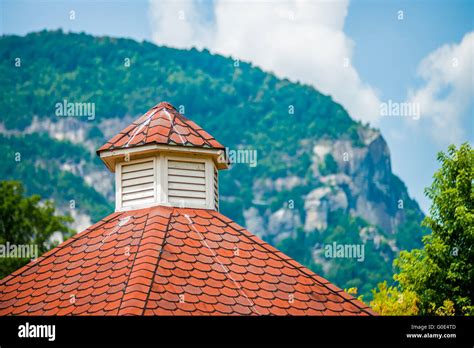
<point>389,300</point>
<point>441,274</point>
<point>26,221</point>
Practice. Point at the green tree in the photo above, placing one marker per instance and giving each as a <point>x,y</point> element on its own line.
<point>441,273</point>
<point>389,300</point>
<point>26,221</point>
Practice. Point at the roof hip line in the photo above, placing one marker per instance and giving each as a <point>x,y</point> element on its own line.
<point>216,258</point>
<point>165,235</point>
<point>137,130</point>
<point>131,268</point>
<point>172,126</point>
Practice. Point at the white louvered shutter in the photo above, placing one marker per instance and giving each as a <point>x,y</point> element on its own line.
<point>186,183</point>
<point>138,183</point>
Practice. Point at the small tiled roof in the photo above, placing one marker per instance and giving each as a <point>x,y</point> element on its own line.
<point>162,124</point>
<point>170,261</point>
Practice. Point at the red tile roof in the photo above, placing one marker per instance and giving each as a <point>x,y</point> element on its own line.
<point>162,124</point>
<point>170,261</point>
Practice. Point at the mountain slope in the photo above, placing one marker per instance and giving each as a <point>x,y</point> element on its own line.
<point>320,177</point>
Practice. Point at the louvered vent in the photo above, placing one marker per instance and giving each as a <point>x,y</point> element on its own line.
<point>187,183</point>
<point>138,183</point>
<point>163,179</point>
<point>216,189</point>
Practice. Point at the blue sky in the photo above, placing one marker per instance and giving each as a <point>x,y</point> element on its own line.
<point>389,58</point>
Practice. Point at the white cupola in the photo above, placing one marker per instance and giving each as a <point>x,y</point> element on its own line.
<point>164,159</point>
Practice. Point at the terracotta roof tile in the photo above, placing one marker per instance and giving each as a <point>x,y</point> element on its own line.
<point>207,266</point>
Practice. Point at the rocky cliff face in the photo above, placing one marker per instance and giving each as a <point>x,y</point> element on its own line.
<point>355,179</point>
<point>77,132</point>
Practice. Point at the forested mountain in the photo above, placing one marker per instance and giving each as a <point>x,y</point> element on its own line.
<point>321,177</point>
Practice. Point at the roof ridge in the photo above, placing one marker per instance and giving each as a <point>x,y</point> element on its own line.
<point>158,260</point>
<point>57,248</point>
<point>302,268</point>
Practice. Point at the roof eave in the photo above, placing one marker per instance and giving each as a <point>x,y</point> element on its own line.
<point>110,157</point>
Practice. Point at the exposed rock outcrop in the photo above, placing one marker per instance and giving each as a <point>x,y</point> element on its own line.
<point>361,183</point>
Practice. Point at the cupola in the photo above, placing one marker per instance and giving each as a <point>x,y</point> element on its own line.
<point>163,158</point>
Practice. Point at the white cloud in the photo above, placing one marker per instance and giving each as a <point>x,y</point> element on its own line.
<point>446,95</point>
<point>298,39</point>
<point>179,24</point>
